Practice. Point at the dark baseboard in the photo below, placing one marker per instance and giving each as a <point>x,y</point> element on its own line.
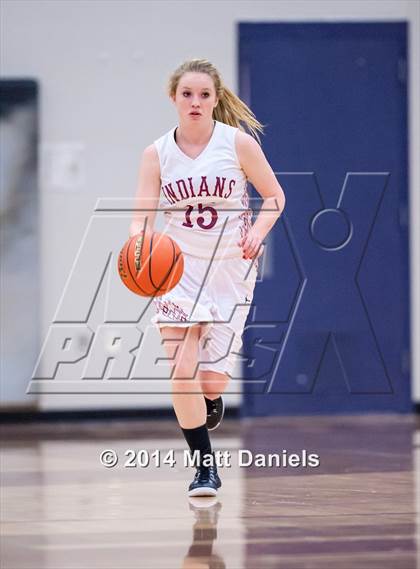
<point>22,415</point>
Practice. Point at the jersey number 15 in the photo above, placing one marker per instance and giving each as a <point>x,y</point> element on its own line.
<point>201,220</point>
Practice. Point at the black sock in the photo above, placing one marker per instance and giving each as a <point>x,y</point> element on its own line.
<point>198,439</point>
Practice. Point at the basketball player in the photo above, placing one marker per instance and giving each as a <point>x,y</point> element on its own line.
<point>197,173</point>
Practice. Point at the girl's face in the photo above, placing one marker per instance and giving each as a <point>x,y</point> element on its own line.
<point>195,97</point>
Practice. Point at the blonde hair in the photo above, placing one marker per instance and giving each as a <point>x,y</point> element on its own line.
<point>230,109</point>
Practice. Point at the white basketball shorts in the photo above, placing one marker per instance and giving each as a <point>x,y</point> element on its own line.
<point>217,294</point>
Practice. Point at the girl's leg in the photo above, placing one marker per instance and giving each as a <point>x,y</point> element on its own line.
<point>190,408</point>
<point>213,383</point>
<point>181,345</point>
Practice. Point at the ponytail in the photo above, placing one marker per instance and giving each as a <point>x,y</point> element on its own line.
<point>233,111</point>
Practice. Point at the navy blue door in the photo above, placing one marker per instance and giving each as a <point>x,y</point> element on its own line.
<point>329,332</point>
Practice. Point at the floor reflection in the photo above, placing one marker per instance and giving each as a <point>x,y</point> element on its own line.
<point>201,553</point>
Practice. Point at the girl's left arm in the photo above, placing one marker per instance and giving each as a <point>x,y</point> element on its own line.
<point>260,174</point>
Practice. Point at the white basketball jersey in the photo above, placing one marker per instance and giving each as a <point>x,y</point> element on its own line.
<point>205,200</point>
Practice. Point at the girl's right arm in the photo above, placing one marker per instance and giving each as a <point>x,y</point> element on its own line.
<point>148,192</point>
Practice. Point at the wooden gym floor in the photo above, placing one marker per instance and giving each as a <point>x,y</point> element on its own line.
<point>62,510</point>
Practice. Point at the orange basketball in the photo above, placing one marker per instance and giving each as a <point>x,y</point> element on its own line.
<point>150,264</point>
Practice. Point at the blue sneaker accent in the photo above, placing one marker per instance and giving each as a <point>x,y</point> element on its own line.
<point>206,482</point>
